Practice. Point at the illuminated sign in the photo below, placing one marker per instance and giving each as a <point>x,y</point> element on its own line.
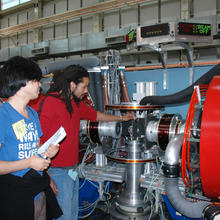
<point>131,37</point>
<point>195,29</point>
<point>155,30</point>
<point>179,31</point>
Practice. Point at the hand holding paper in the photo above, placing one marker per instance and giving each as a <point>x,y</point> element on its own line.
<point>55,139</point>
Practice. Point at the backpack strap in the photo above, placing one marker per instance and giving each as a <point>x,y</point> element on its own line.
<point>43,100</point>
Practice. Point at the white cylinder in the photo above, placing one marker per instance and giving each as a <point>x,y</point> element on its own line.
<point>150,88</point>
<point>144,89</point>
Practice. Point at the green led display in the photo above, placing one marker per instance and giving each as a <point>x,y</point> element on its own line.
<point>195,29</point>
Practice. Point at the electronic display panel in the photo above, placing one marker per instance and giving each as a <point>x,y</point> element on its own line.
<point>194,29</point>
<point>155,30</point>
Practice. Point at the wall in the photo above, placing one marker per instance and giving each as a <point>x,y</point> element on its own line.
<point>177,79</point>
<point>143,14</point>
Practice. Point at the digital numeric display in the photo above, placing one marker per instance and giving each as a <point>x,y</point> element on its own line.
<point>155,30</point>
<point>194,29</point>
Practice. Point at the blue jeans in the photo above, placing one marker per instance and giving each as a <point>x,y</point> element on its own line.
<point>68,193</point>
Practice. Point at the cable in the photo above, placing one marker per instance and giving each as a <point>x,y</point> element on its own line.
<point>81,186</point>
<point>151,211</point>
<point>85,216</point>
<point>186,143</point>
<point>198,93</point>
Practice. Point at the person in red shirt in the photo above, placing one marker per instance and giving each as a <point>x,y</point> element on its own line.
<point>63,106</point>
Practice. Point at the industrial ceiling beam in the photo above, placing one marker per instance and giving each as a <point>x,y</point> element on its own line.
<point>185,9</point>
<point>69,15</point>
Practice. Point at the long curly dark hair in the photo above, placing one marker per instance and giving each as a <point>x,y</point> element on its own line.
<point>61,83</point>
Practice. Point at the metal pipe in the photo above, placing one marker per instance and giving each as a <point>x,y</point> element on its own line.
<point>124,89</point>
<point>85,62</point>
<point>131,200</point>
<point>178,65</point>
<point>183,95</point>
<point>181,204</point>
<point>105,89</point>
<point>173,150</point>
<point>92,90</point>
<point>98,90</point>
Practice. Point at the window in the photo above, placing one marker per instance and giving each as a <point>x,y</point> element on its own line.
<point>11,3</point>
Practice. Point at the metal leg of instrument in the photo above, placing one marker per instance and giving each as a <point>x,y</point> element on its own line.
<point>131,201</point>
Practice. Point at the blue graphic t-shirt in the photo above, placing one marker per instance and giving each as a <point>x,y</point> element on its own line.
<point>13,149</point>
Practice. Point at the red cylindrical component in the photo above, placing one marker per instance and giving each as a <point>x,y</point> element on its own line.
<point>210,141</point>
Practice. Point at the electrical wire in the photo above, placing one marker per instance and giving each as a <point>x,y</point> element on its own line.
<point>186,143</point>
<point>151,183</point>
<point>81,186</point>
<point>151,210</point>
<point>85,216</point>
<point>198,94</point>
<point>90,206</point>
<point>162,212</point>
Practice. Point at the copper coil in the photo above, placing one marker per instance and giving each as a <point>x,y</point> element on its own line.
<point>133,107</point>
<point>92,132</point>
<point>127,160</point>
<point>122,160</point>
<point>163,130</point>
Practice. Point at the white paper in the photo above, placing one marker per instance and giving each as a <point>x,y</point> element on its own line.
<point>55,139</point>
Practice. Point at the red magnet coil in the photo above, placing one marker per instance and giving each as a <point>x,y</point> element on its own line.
<point>210,141</point>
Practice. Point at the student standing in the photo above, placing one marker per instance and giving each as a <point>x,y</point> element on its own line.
<point>22,180</point>
<point>63,106</point>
